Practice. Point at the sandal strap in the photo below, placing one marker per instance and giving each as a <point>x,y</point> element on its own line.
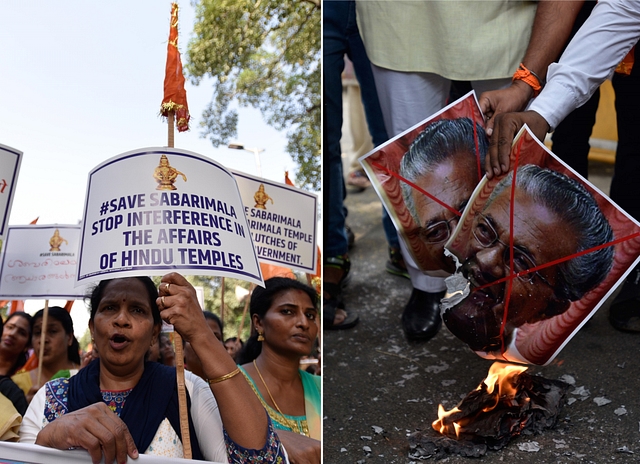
<point>331,304</point>
<point>339,262</point>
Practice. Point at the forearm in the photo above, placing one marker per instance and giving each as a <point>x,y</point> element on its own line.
<point>549,34</point>
<point>600,44</point>
<point>300,448</point>
<point>243,416</point>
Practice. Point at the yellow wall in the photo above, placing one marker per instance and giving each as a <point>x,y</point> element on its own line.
<point>605,127</point>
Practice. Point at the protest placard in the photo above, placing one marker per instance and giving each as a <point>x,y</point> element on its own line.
<point>282,220</point>
<point>407,184</point>
<point>10,160</point>
<point>40,261</point>
<point>25,453</point>
<point>155,210</point>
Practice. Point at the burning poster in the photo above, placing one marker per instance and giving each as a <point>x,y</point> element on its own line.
<point>509,402</point>
<point>540,249</point>
<point>528,265</point>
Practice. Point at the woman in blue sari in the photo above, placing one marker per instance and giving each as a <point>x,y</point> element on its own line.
<point>120,405</point>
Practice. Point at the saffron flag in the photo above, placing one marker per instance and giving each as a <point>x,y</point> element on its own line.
<point>175,96</point>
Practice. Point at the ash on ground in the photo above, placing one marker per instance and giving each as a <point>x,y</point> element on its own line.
<point>535,407</point>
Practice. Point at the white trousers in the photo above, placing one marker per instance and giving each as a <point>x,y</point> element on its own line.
<point>406,98</point>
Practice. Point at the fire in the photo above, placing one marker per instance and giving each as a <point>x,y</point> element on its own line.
<point>502,375</point>
<point>452,423</point>
<point>441,425</point>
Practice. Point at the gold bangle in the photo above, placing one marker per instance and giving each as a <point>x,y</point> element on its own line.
<point>224,377</point>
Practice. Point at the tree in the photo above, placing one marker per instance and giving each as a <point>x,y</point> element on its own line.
<point>264,54</point>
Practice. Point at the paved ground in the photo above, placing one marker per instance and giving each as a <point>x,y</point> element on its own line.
<point>378,387</point>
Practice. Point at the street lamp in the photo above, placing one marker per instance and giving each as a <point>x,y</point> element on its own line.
<point>255,151</point>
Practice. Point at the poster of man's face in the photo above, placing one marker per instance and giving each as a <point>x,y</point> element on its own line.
<point>539,249</point>
<point>425,177</point>
<point>530,255</point>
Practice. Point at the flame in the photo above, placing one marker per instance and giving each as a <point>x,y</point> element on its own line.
<point>440,425</point>
<point>500,375</point>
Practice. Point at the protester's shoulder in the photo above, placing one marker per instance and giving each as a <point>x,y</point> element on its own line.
<point>7,385</point>
<point>310,378</point>
<point>13,393</point>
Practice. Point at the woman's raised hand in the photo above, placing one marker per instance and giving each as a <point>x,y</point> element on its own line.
<point>95,428</point>
<point>179,306</point>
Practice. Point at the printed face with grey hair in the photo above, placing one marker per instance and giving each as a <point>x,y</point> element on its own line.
<point>441,161</point>
<point>553,217</point>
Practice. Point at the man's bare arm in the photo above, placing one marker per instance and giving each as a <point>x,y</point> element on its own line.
<point>550,31</point>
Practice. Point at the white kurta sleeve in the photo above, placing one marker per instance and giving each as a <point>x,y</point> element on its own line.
<point>591,56</point>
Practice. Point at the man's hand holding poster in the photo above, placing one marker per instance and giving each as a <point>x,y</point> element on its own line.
<point>532,259</point>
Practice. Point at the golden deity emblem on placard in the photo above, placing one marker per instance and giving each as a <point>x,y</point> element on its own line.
<point>166,175</point>
<point>261,198</point>
<point>56,241</point>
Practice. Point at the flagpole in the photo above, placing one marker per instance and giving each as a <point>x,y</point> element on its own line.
<point>177,340</point>
<point>175,101</point>
<point>170,121</point>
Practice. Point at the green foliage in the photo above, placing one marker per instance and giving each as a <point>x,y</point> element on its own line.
<point>85,340</point>
<point>264,54</point>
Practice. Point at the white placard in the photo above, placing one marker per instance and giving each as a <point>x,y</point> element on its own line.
<point>155,210</point>
<point>282,220</point>
<point>40,261</point>
<point>10,160</point>
<point>26,453</point>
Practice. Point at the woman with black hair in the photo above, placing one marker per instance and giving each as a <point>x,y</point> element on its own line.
<point>61,355</point>
<point>120,405</point>
<point>284,316</point>
<point>15,342</point>
<point>14,346</point>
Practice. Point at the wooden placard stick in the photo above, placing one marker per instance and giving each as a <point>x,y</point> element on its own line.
<point>177,340</point>
<point>43,334</point>
<point>222,300</point>
<point>182,396</point>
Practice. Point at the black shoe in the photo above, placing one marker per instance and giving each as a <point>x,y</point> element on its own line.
<point>630,288</point>
<point>421,317</point>
<point>625,316</point>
